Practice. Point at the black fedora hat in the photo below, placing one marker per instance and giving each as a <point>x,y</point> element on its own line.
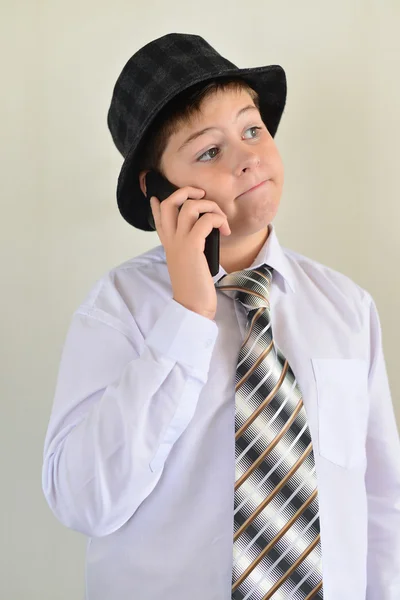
<point>151,78</point>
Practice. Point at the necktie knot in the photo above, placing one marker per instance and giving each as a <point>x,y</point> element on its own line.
<point>250,287</point>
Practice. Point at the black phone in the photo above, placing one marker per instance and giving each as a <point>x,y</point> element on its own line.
<point>157,185</point>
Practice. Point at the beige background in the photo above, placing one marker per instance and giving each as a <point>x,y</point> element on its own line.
<point>61,230</point>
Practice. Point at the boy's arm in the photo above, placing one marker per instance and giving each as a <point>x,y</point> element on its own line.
<point>120,404</point>
<point>382,476</point>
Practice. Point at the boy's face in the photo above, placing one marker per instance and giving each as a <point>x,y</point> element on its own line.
<point>229,160</point>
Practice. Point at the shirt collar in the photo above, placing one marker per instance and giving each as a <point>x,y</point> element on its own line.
<point>270,254</point>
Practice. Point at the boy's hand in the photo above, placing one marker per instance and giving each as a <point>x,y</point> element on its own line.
<point>183,235</point>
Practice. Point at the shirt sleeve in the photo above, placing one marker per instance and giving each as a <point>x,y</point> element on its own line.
<point>382,476</point>
<point>120,404</point>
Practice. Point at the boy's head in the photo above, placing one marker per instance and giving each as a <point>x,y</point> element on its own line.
<point>226,161</point>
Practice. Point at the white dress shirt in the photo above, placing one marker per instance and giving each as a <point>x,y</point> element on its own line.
<point>139,452</point>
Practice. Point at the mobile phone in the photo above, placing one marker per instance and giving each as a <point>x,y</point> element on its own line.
<point>157,185</point>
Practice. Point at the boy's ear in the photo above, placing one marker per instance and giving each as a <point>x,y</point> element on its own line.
<point>142,181</point>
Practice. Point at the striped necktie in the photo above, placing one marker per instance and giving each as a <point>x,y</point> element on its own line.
<point>276,547</point>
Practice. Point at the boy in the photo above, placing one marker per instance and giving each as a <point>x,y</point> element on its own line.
<point>177,419</point>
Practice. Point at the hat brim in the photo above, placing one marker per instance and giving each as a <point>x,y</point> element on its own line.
<point>269,82</point>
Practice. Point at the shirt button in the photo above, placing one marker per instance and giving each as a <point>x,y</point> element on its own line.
<point>209,342</point>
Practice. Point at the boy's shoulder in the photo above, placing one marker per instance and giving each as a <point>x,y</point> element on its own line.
<point>144,262</point>
<point>139,277</point>
<point>328,280</point>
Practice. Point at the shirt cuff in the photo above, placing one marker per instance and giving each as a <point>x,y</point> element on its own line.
<point>184,336</point>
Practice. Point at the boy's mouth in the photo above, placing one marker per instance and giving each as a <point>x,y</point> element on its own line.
<point>253,188</point>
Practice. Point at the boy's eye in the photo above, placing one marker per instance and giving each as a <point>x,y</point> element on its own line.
<point>207,154</point>
<point>215,147</point>
<point>257,128</point>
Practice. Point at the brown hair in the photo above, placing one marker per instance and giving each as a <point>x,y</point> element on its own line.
<point>179,111</point>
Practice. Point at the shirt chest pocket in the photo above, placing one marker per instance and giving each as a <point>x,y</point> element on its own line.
<point>343,406</point>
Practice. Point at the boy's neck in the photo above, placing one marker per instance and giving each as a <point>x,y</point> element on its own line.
<point>241,255</point>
